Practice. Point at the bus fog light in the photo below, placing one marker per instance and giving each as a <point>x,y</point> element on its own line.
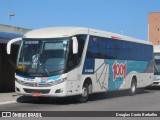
<point>59,91</point>
<point>17,89</point>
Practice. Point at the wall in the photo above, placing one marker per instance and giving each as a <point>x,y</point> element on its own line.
<point>154,28</point>
<point>7,68</point>
<point>8,62</point>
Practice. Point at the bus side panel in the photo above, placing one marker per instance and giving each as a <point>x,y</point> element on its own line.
<point>101,74</point>
<point>73,84</point>
<point>97,70</point>
<point>109,74</point>
<point>122,71</point>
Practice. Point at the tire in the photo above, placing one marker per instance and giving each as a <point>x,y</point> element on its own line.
<point>133,87</point>
<point>85,94</point>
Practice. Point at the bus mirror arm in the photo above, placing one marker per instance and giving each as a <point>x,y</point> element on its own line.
<point>75,45</point>
<point>10,43</point>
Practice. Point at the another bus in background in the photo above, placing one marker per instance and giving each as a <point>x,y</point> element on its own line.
<point>156,81</point>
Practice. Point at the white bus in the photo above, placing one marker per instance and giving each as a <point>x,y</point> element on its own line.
<point>68,61</point>
<point>156,81</point>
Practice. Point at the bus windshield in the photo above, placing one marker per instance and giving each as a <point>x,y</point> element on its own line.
<point>42,57</point>
<point>157,64</point>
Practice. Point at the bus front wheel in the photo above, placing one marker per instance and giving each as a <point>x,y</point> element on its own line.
<point>85,94</point>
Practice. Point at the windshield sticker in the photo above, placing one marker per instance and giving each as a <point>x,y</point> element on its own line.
<point>65,42</point>
<point>53,46</point>
<point>31,42</point>
<point>34,61</point>
<point>20,67</point>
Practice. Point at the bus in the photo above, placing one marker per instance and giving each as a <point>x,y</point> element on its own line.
<point>156,81</point>
<point>77,61</point>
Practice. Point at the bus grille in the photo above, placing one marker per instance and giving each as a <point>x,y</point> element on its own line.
<point>37,85</point>
<point>45,91</point>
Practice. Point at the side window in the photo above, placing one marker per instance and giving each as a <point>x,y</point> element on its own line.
<point>140,52</point>
<point>99,47</point>
<point>94,47</point>
<point>127,50</point>
<point>150,52</point>
<point>105,51</point>
<point>132,51</point>
<point>81,41</point>
<point>110,48</point>
<point>121,50</point>
<point>116,46</point>
<point>71,57</point>
<point>74,59</point>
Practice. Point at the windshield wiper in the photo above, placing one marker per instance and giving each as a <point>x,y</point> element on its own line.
<point>43,66</point>
<point>45,69</point>
<point>27,68</point>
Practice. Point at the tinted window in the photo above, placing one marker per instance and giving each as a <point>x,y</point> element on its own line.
<point>74,59</point>
<point>107,48</point>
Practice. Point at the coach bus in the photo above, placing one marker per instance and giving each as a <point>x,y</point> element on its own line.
<point>75,61</point>
<point>156,81</point>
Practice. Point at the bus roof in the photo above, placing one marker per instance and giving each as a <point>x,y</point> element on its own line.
<point>54,32</point>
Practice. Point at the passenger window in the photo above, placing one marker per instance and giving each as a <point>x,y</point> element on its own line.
<point>94,47</point>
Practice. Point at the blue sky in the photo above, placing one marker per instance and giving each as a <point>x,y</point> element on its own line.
<point>128,17</point>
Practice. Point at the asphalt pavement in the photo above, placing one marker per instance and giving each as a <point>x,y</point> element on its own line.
<point>147,100</point>
<point>9,97</point>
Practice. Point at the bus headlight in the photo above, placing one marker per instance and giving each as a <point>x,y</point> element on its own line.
<point>156,77</point>
<point>55,82</point>
<point>19,81</point>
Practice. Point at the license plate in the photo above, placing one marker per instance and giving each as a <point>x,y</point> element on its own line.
<point>36,94</point>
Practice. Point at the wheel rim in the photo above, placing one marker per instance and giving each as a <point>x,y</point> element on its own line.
<point>133,88</point>
<point>84,92</point>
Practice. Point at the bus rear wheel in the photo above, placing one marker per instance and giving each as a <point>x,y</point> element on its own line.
<point>85,94</point>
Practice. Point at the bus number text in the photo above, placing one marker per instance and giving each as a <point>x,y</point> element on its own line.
<point>119,70</point>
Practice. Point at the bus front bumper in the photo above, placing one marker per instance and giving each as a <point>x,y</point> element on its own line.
<point>53,91</point>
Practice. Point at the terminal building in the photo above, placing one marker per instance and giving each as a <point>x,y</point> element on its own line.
<point>8,62</point>
<point>154,38</point>
<point>154,28</point>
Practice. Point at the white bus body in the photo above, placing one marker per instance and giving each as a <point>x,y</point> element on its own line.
<point>79,61</point>
<point>156,81</point>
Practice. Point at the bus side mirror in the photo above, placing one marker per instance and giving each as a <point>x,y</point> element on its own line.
<point>10,43</point>
<point>75,45</point>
